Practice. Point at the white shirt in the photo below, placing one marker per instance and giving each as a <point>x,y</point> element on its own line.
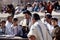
<point>16,30</point>
<point>8,27</point>
<point>36,31</point>
<point>29,9</point>
<point>17,9</point>
<point>43,20</point>
<point>24,21</point>
<point>49,26</point>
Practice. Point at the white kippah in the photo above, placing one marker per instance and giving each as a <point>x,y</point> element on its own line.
<point>47,14</point>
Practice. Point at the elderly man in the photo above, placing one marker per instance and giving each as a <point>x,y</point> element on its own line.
<point>38,30</point>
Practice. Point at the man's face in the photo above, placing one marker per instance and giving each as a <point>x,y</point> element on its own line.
<point>15,22</point>
<point>54,23</point>
<point>8,10</point>
<point>10,19</point>
<point>3,24</point>
<point>27,16</point>
<point>33,20</point>
<point>46,18</point>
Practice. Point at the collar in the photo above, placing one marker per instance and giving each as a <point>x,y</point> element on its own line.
<point>56,26</point>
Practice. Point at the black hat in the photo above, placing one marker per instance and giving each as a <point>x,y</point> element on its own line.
<point>27,12</point>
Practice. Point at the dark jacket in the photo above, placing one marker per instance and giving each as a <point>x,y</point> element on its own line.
<point>53,32</point>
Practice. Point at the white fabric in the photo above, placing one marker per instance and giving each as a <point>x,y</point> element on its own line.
<point>49,26</point>
<point>35,31</point>
<point>17,9</point>
<point>43,20</point>
<point>29,9</point>
<point>23,23</point>
<point>14,29</point>
<point>8,28</point>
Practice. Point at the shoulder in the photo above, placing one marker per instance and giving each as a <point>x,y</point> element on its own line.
<point>21,22</point>
<point>12,26</point>
<point>34,26</point>
<point>19,27</point>
<point>6,22</point>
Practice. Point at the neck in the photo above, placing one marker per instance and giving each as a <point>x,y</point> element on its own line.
<point>10,21</point>
<point>3,26</point>
<point>15,24</point>
<point>56,26</point>
<point>49,22</point>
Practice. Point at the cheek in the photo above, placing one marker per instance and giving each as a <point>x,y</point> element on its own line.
<point>33,21</point>
<point>26,16</point>
<point>53,23</point>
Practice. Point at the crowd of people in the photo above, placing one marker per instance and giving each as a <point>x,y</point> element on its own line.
<point>31,27</point>
<point>33,7</point>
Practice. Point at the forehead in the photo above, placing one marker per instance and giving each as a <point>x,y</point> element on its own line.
<point>10,17</point>
<point>15,21</point>
<point>53,20</point>
<point>26,14</point>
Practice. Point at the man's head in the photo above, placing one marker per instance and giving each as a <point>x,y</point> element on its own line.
<point>3,23</point>
<point>27,14</point>
<point>10,18</point>
<point>35,17</point>
<point>15,21</point>
<point>48,17</point>
<point>54,21</point>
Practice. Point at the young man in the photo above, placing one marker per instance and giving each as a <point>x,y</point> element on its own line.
<point>8,25</point>
<point>54,22</point>
<point>15,28</point>
<point>38,30</point>
<point>3,27</point>
<point>47,23</point>
<point>27,18</point>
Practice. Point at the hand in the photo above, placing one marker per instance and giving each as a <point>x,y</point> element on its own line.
<point>32,38</point>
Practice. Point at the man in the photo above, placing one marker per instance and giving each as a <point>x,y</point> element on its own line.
<point>27,19</point>
<point>49,7</point>
<point>54,22</point>
<point>17,9</point>
<point>8,25</point>
<point>47,23</point>
<point>44,18</point>
<point>16,29</point>
<point>38,30</point>
<point>10,9</point>
<point>26,23</point>
<point>3,27</point>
